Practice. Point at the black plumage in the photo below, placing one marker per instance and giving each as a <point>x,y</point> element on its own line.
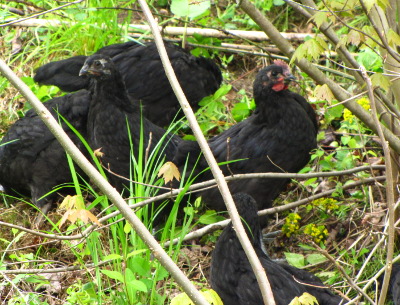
<point>144,76</point>
<point>234,280</point>
<point>394,283</point>
<point>277,137</point>
<point>115,124</point>
<point>32,162</point>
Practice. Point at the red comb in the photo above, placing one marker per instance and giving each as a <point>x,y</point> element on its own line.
<point>280,62</point>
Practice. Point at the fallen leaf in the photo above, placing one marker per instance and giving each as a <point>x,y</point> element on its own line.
<point>169,171</point>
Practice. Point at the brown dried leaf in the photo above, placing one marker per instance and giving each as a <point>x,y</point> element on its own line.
<point>324,93</point>
<point>169,171</point>
<point>98,153</point>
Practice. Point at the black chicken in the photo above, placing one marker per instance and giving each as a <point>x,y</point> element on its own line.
<point>394,284</point>
<point>32,162</point>
<point>115,125</point>
<point>234,280</point>
<point>277,137</point>
<point>144,76</point>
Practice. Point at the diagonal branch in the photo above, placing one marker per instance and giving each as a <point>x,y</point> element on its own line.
<point>216,171</point>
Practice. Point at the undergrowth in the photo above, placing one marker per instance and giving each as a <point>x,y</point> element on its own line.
<point>347,223</point>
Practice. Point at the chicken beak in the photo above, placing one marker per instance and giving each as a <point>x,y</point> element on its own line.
<point>84,70</point>
<point>289,78</point>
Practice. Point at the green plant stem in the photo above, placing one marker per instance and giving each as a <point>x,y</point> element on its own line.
<point>216,171</point>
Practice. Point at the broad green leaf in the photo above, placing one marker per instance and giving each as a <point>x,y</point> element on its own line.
<point>137,285</point>
<point>279,2</point>
<point>393,38</point>
<point>112,257</point>
<point>315,258</point>
<point>380,80</point>
<point>127,228</point>
<point>319,18</point>
<point>189,8</point>
<point>210,217</point>
<point>136,252</point>
<point>310,181</point>
<point>298,54</point>
<point>115,275</point>
<point>295,259</point>
<point>370,31</point>
<point>370,60</point>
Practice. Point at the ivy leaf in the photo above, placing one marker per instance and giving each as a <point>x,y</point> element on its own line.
<point>324,93</point>
<point>189,8</point>
<point>380,80</point>
<point>393,38</point>
<point>319,18</point>
<point>169,171</point>
<point>355,37</point>
<point>298,54</point>
<point>369,4</point>
<point>370,31</point>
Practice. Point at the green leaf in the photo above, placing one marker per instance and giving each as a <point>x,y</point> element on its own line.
<point>136,285</point>
<point>210,217</point>
<point>369,4</point>
<point>380,80</point>
<point>316,258</point>
<point>370,60</point>
<point>115,275</point>
<point>310,181</point>
<point>279,2</point>
<point>189,8</point>
<point>319,18</point>
<point>393,38</point>
<point>112,257</point>
<point>295,259</point>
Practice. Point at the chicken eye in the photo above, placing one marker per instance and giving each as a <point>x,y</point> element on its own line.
<point>274,73</point>
<point>97,64</point>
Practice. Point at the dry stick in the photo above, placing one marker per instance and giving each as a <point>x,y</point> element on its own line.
<point>314,73</point>
<point>98,180</point>
<point>343,272</point>
<point>15,22</point>
<point>200,185</point>
<point>259,271</point>
<point>371,254</point>
<point>205,230</point>
<point>389,190</point>
<point>55,270</point>
<point>222,224</point>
